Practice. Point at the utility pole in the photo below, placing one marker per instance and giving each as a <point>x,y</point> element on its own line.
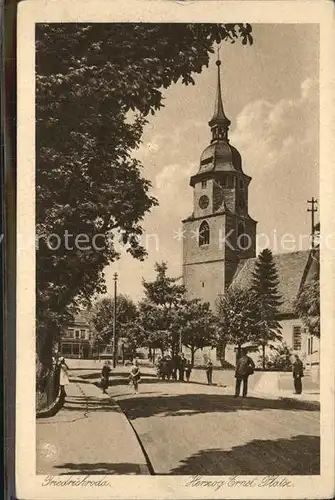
<point>114,320</point>
<point>313,210</point>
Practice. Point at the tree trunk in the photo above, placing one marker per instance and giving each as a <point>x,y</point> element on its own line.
<point>192,355</point>
<point>263,355</point>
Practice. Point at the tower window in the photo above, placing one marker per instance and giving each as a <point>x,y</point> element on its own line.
<point>204,233</point>
<point>204,184</point>
<point>241,184</point>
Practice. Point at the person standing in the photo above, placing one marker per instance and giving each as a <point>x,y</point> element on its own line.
<point>105,377</point>
<point>63,375</point>
<point>298,373</point>
<point>209,371</point>
<point>244,367</point>
<point>182,364</point>
<point>188,370</point>
<point>134,376</point>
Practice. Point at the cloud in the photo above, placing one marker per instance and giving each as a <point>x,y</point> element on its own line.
<point>279,145</point>
<point>268,133</point>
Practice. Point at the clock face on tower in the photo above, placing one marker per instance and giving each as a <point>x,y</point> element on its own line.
<point>204,201</point>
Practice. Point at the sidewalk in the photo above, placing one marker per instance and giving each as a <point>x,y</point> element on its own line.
<point>89,435</point>
<point>269,386</point>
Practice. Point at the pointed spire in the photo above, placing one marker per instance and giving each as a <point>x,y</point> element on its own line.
<point>219,119</point>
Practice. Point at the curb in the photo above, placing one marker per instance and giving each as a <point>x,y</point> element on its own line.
<point>54,408</point>
<point>145,468</point>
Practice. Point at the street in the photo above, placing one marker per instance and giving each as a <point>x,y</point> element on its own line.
<point>198,429</point>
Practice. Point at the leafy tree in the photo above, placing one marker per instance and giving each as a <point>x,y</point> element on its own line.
<point>163,298</point>
<point>264,287</point>
<point>197,325</point>
<point>102,317</point>
<point>236,316</point>
<point>155,322</point>
<point>307,304</point>
<point>95,86</point>
<point>280,358</point>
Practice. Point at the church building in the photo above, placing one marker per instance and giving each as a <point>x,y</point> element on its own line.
<point>219,245</point>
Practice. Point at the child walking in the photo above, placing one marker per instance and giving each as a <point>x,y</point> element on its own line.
<point>134,376</point>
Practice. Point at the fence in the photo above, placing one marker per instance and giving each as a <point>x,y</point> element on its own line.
<point>47,388</point>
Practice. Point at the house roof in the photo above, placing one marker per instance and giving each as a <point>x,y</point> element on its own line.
<point>290,268</point>
<point>81,319</point>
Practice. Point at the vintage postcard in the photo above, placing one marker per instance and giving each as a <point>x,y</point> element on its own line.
<point>175,275</point>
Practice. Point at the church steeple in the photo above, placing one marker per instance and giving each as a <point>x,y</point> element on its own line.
<point>219,123</point>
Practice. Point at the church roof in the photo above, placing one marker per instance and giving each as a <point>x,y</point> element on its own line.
<point>220,157</point>
<point>290,268</point>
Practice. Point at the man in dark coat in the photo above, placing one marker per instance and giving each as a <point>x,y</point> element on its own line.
<point>244,367</point>
<point>298,373</point>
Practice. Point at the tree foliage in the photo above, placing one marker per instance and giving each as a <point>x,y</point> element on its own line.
<point>197,325</point>
<point>163,299</point>
<point>102,318</point>
<point>280,358</point>
<point>265,283</point>
<point>307,304</point>
<point>95,86</point>
<point>236,315</point>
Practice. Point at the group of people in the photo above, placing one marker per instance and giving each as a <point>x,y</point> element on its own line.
<point>176,367</point>
<point>179,367</point>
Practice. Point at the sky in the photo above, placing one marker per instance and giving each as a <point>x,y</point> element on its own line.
<point>270,93</point>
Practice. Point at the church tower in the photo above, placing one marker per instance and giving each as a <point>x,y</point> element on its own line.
<point>220,232</point>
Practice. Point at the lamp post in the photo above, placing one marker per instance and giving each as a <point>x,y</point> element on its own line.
<point>114,320</point>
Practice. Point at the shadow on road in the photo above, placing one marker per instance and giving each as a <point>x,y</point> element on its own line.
<point>102,468</point>
<point>298,456</point>
<point>191,404</point>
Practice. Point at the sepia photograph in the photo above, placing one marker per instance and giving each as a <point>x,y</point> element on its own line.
<point>178,245</point>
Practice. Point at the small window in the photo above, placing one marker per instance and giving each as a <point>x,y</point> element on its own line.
<point>70,333</point>
<point>204,233</point>
<point>296,340</point>
<point>82,334</point>
<point>202,284</point>
<point>204,184</point>
<point>77,334</point>
<point>75,349</point>
<point>66,349</point>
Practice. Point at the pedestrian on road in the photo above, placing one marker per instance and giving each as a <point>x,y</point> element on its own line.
<point>244,367</point>
<point>209,371</point>
<point>105,376</point>
<point>298,373</point>
<point>188,370</point>
<point>159,367</point>
<point>63,375</point>
<point>135,376</point>
<point>182,364</point>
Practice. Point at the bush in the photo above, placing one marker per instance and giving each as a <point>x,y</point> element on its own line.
<point>280,359</point>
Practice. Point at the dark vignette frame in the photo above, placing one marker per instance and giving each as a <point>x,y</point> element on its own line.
<point>8,245</point>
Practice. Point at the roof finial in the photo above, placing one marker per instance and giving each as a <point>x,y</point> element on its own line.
<point>219,115</point>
